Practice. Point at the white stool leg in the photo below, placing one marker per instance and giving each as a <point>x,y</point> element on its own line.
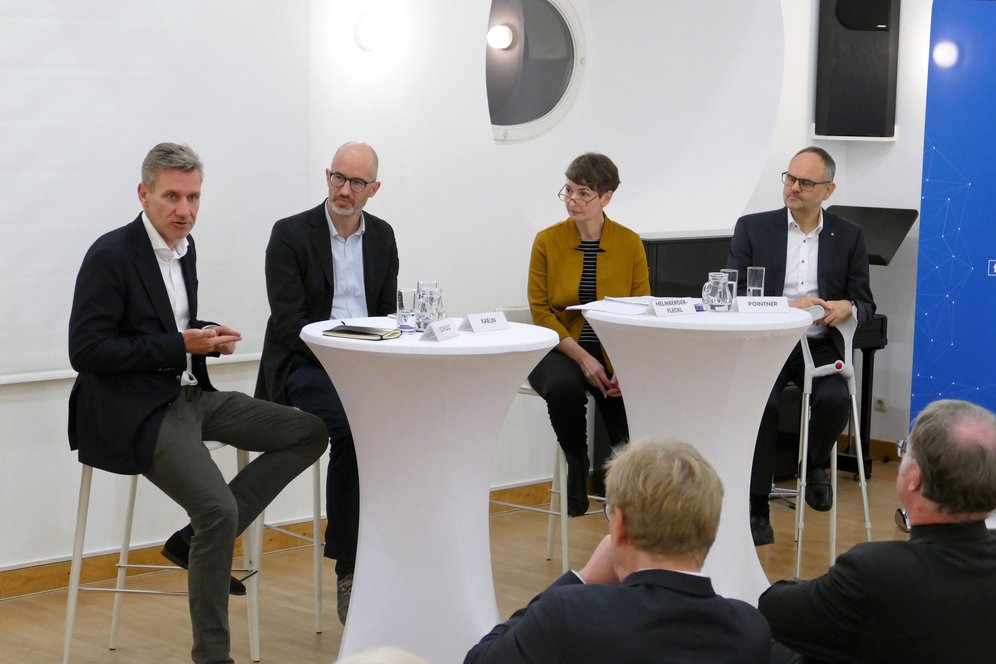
<point>565,540</point>
<point>252,546</point>
<point>77,562</point>
<point>123,560</point>
<point>317,542</point>
<point>554,502</point>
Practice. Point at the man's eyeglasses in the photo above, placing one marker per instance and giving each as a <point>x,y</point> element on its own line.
<point>606,509</point>
<point>582,201</point>
<point>804,184</point>
<point>355,184</point>
<point>902,448</point>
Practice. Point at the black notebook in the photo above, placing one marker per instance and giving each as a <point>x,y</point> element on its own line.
<point>361,332</point>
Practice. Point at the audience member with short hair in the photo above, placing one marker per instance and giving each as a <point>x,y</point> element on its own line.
<point>641,597</point>
<point>385,655</point>
<point>925,600</point>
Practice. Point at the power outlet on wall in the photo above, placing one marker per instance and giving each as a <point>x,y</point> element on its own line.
<point>880,404</point>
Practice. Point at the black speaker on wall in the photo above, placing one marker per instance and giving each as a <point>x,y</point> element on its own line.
<point>856,68</point>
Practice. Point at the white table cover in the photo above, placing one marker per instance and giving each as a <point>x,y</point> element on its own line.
<point>704,378</point>
<point>425,417</point>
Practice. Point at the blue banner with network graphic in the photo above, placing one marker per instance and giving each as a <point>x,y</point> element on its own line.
<point>953,354</point>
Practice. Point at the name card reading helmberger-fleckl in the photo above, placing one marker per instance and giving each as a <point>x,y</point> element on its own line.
<point>670,306</point>
<point>441,330</point>
<point>762,305</point>
<point>487,322</point>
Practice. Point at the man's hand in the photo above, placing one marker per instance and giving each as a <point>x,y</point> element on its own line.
<point>838,311</point>
<point>218,339</point>
<point>599,567</point>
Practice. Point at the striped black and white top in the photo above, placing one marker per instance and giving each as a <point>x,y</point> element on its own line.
<point>587,291</point>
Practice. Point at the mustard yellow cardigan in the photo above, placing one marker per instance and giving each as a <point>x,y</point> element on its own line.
<point>555,272</point>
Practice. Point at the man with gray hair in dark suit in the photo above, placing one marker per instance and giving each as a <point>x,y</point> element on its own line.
<point>142,402</point>
<point>926,600</point>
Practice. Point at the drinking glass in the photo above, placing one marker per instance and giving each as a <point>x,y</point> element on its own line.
<point>407,315</point>
<point>755,282</point>
<point>731,281</point>
<point>428,305</point>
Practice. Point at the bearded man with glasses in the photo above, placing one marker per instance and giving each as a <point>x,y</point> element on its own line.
<point>332,261</point>
<point>814,259</point>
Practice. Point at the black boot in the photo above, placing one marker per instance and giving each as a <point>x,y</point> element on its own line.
<point>577,484</point>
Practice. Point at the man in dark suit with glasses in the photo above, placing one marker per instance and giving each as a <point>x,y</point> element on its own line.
<point>814,259</point>
<point>332,261</point>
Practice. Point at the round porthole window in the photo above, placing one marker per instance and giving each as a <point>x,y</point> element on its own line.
<point>535,55</point>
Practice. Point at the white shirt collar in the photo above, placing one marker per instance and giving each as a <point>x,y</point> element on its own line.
<point>792,224</point>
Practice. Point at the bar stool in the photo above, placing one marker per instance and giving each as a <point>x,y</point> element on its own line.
<point>315,540</point>
<point>252,550</point>
<point>558,498</point>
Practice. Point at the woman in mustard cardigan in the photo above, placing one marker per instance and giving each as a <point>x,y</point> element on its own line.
<point>586,257</point>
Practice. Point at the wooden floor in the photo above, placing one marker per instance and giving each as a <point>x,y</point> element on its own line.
<point>157,629</point>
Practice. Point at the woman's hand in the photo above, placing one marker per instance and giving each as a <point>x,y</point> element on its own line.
<point>591,369</point>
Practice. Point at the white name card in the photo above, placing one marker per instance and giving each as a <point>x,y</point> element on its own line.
<point>441,330</point>
<point>671,306</point>
<point>762,305</point>
<point>487,322</point>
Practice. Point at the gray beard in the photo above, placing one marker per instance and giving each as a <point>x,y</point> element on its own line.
<point>345,212</point>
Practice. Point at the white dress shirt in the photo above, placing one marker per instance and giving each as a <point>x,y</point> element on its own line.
<point>349,297</point>
<point>176,288</point>
<point>801,266</point>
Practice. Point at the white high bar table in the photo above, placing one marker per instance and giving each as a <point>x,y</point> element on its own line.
<point>425,417</point>
<point>704,378</point>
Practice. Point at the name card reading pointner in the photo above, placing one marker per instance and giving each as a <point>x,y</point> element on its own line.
<point>488,321</point>
<point>762,305</point>
<point>671,306</point>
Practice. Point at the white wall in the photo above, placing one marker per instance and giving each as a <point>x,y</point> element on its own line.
<point>700,102</point>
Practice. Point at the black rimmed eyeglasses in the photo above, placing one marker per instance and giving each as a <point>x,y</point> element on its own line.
<point>355,184</point>
<point>806,185</point>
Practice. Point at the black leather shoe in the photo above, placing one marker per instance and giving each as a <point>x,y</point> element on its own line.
<point>760,530</point>
<point>177,551</point>
<point>819,494</point>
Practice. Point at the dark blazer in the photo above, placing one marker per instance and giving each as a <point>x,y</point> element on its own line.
<point>927,600</point>
<point>842,273</point>
<point>300,286</point>
<point>653,616</point>
<point>124,343</point>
